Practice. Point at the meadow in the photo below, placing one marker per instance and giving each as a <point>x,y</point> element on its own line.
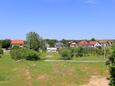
<point>41,73</point>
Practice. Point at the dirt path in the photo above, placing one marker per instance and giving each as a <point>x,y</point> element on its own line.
<point>97,81</point>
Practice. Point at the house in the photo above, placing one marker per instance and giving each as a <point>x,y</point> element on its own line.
<point>51,49</point>
<point>59,45</point>
<point>83,43</point>
<point>94,44</point>
<point>105,43</point>
<point>89,44</point>
<point>73,44</point>
<point>19,43</point>
<point>109,43</point>
<point>47,45</point>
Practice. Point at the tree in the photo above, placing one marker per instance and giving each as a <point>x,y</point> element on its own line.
<point>6,43</point>
<point>112,68</point>
<point>0,43</point>
<point>93,39</point>
<point>34,41</point>
<point>65,42</point>
<point>1,51</point>
<point>51,42</point>
<point>43,45</point>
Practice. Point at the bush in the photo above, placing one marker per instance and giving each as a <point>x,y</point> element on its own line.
<point>32,55</point>
<point>78,52</point>
<point>26,54</point>
<point>0,56</point>
<point>1,51</point>
<point>66,54</point>
<point>112,68</point>
<point>15,47</point>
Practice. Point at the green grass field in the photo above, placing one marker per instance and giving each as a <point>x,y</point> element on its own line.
<point>56,56</point>
<point>40,73</point>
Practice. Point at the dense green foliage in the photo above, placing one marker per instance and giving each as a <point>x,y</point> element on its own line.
<point>1,51</point>
<point>26,54</point>
<point>65,42</point>
<point>51,42</point>
<point>112,68</point>
<point>66,54</point>
<point>15,47</point>
<point>34,41</point>
<point>6,43</point>
<point>93,39</point>
<point>84,52</point>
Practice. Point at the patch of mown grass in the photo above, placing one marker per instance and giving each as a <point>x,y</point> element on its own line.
<point>64,72</point>
<point>41,73</point>
<point>3,77</point>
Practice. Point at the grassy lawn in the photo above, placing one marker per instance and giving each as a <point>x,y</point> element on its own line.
<point>97,58</point>
<point>56,56</point>
<point>40,73</point>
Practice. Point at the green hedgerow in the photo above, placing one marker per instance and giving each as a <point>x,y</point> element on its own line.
<point>26,54</point>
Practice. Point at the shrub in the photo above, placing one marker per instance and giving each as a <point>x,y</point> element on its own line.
<point>80,51</point>
<point>32,55</point>
<point>66,54</point>
<point>26,54</point>
<point>112,68</point>
<point>15,47</point>
<point>1,51</point>
<point>77,52</point>
<point>16,54</point>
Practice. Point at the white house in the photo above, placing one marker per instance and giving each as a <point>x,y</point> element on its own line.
<point>51,49</point>
<point>94,44</point>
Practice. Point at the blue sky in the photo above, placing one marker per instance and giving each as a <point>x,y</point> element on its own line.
<point>58,19</point>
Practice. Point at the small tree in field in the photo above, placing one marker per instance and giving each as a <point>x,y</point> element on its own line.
<point>34,41</point>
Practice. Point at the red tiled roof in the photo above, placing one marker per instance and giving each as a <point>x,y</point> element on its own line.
<point>83,43</point>
<point>17,41</point>
<point>92,42</point>
<point>87,43</point>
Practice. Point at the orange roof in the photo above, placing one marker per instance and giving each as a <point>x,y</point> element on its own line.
<point>83,43</point>
<point>17,41</point>
<point>92,42</point>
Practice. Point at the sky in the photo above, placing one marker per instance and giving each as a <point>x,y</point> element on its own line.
<point>58,19</point>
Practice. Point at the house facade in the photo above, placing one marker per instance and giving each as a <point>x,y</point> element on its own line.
<point>83,43</point>
<point>73,44</point>
<point>105,43</point>
<point>51,49</point>
<point>89,44</point>
<point>59,45</point>
<point>94,44</point>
